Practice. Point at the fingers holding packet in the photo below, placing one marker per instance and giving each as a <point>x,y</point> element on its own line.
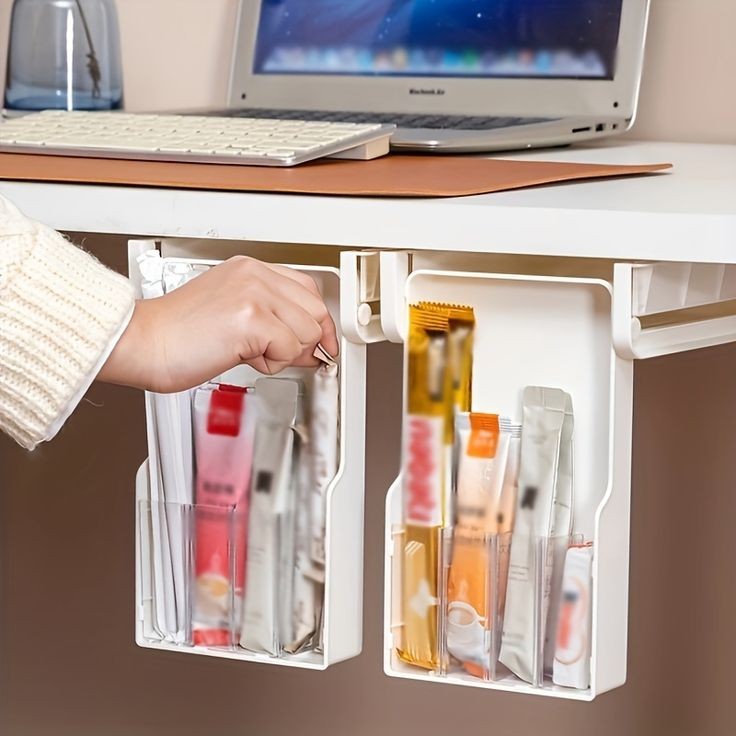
<point>240,311</point>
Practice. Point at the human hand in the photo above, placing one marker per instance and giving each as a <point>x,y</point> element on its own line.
<point>241,311</point>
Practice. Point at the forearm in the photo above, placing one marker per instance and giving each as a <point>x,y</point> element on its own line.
<point>60,314</point>
<point>65,320</point>
<point>129,362</point>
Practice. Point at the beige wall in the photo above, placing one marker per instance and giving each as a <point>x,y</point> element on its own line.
<point>177,54</point>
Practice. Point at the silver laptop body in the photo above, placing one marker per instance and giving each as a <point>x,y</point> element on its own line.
<point>453,75</point>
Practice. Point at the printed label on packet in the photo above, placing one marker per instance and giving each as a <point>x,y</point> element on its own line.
<point>226,408</point>
<point>424,452</point>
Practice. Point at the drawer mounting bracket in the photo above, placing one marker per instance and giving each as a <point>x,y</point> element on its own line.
<point>665,289</point>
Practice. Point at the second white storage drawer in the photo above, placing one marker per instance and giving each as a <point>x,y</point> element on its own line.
<point>581,335</point>
<point>544,331</point>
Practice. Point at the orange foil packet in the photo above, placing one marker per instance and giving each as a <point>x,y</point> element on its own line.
<point>424,491</point>
<point>472,587</point>
<point>438,385</point>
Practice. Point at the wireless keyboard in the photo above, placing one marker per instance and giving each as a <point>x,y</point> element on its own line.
<point>250,141</point>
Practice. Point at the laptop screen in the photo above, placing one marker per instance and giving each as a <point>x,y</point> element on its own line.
<point>560,39</point>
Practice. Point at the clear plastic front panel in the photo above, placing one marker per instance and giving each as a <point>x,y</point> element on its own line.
<point>199,593</point>
<point>503,611</point>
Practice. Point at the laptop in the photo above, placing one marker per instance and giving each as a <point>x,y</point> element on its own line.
<point>452,75</point>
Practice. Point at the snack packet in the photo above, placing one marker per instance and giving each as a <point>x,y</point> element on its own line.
<point>270,517</point>
<point>572,646</point>
<point>425,493</point>
<point>483,448</point>
<point>292,515</point>
<point>543,524</point>
<point>307,592</point>
<point>324,433</point>
<point>507,508</point>
<point>224,425</point>
<point>562,527</point>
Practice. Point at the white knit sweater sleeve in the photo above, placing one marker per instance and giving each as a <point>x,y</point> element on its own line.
<point>61,313</point>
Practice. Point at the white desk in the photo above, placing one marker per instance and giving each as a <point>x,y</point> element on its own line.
<point>686,215</point>
<point>586,318</point>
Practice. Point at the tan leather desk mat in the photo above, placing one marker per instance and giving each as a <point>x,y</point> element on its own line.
<point>397,175</point>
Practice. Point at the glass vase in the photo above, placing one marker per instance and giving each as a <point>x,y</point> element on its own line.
<point>64,54</point>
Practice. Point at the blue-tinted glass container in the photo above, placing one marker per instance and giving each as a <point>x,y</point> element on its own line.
<point>64,54</point>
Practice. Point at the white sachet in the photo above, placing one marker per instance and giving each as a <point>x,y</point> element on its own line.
<point>572,652</point>
<point>271,488</point>
<point>538,518</point>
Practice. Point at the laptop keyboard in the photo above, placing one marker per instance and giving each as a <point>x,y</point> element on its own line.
<point>439,122</point>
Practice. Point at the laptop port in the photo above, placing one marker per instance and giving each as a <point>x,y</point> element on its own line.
<point>581,130</point>
<point>600,127</point>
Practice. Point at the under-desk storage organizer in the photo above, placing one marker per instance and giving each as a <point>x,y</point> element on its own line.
<point>166,532</point>
<point>580,334</point>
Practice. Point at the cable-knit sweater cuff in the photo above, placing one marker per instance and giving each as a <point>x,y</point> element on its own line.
<point>60,311</point>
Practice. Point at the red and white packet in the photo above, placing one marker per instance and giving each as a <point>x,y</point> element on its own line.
<point>224,431</point>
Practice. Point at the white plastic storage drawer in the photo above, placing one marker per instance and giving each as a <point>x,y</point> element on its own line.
<point>342,612</point>
<point>547,331</point>
<point>580,334</point>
